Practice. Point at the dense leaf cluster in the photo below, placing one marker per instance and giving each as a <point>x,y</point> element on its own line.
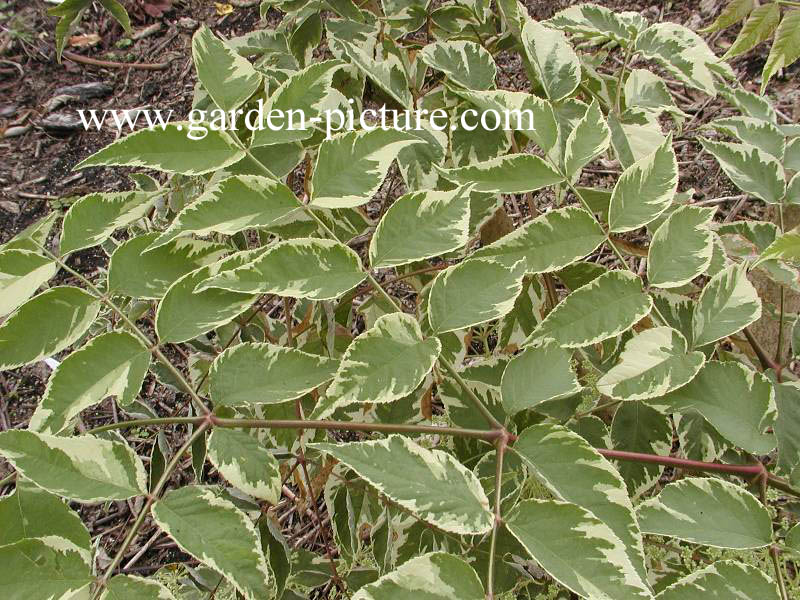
<point>481,413</point>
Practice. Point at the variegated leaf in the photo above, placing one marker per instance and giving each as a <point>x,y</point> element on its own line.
<point>351,166</point>
<point>644,190</point>
<point>300,268</point>
<point>184,313</point>
<point>737,401</point>
<point>473,292</point>
<point>227,77</point>
<point>92,219</point>
<point>437,576</point>
<point>681,248</point>
<point>728,304</point>
<point>231,546</point>
<point>46,325</point>
<point>430,483</point>
<point>557,65</point>
<point>599,24</point>
<point>577,549</point>
<point>22,272</point>
<point>587,141</point>
<point>118,362</point>
<point>549,242</point>
<point>136,271</point>
<point>705,511</point>
<point>48,568</point>
<point>751,170</point>
<point>577,473</point>
<point>723,580</point>
<point>509,174</point>
<point>130,587</point>
<point>387,74</point>
<point>653,363</point>
<point>232,205</point>
<point>465,63</point>
<point>385,363</point>
<point>604,307</point>
<point>85,468</point>
<point>759,133</point>
<point>245,463</point>
<point>250,374</point>
<point>536,375</point>
<point>420,225</point>
<point>169,149</point>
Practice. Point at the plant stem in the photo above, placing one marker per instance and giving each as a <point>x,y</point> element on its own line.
<point>684,463</point>
<point>151,498</point>
<point>773,554</point>
<point>154,349</point>
<point>618,98</point>
<point>147,422</point>
<point>502,442</point>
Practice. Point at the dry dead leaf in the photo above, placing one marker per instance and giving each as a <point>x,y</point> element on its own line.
<point>223,8</point>
<point>84,41</point>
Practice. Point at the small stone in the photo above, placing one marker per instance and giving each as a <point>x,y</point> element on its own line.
<point>85,91</point>
<point>61,123</point>
<point>188,23</point>
<point>9,206</point>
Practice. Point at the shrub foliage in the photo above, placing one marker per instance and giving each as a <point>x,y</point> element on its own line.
<point>479,409</point>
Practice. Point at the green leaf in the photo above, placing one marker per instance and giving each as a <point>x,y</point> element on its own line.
<point>723,580</point>
<point>117,361</point>
<point>556,63</point>
<point>85,468</point>
<point>577,473</point>
<point>536,375</point>
<point>33,236</point>
<point>734,11</point>
<point>639,428</point>
<point>681,248</point>
<point>230,206</point>
<point>388,75</point>
<point>385,363</point>
<point>429,483</point>
<point>250,374</point>
<point>759,133</point>
<point>737,401</point>
<point>750,104</point>
<point>300,268</point>
<point>587,141</point>
<point>420,225</point>
<point>549,242</point>
<point>245,463</point>
<point>473,292</point>
<point>750,169</point>
<point>644,190</point>
<point>437,575</point>
<point>351,166</point>
<point>31,512</point>
<point>22,272</point>
<point>44,568</point>
<point>129,587</point>
<point>785,48</point>
<point>603,308</point>
<point>70,12</point>
<point>711,512</point>
<point>577,549</point>
<point>169,149</point>
<point>465,63</point>
<point>310,91</point>
<point>218,534</point>
<point>184,313</point>
<point>227,77</point>
<point>138,272</point>
<point>728,304</point>
<point>509,174</point>
<point>92,219</point>
<point>759,26</point>
<point>653,363</point>
<point>46,325</point>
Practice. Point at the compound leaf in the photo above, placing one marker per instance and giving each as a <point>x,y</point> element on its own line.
<point>245,463</point>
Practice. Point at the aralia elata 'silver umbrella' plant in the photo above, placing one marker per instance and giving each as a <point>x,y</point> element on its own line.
<point>477,422</point>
